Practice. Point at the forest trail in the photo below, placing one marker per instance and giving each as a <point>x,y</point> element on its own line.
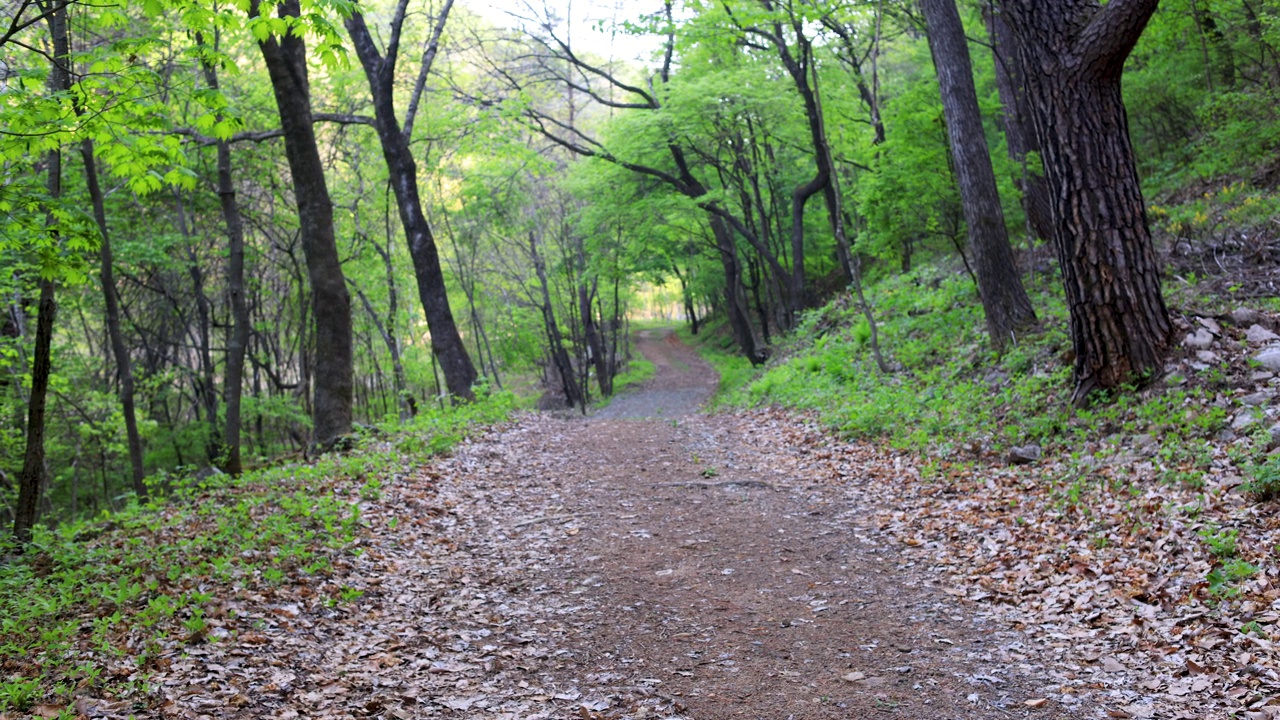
<point>679,566</point>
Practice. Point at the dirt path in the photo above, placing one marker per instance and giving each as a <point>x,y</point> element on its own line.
<point>709,566</point>
<point>677,566</point>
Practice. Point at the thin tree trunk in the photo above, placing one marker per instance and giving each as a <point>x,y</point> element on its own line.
<point>560,356</point>
<point>30,479</point>
<point>286,62</point>
<point>446,342</point>
<point>1008,309</point>
<point>238,340</point>
<point>124,368</point>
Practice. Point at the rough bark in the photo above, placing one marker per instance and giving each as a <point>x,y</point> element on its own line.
<point>1073,53</point>
<point>1019,132</point>
<point>446,342</point>
<point>1006,305</point>
<point>286,62</point>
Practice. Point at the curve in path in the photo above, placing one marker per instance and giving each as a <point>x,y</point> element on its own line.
<point>681,383</point>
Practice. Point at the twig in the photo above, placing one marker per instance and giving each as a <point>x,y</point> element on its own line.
<point>703,484</point>
<point>545,518</point>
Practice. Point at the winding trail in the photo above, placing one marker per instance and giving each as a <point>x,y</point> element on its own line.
<point>716,564</point>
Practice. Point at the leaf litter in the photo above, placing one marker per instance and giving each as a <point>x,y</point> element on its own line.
<point>562,569</point>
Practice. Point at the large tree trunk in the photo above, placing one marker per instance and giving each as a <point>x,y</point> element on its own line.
<point>446,342</point>
<point>286,61</point>
<point>1004,300</point>
<point>1072,55</point>
<point>124,368</point>
<point>1019,132</point>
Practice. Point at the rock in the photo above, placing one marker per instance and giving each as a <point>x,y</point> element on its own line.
<point>1210,324</point>
<point>1244,317</point>
<point>1243,421</point>
<point>1275,437</point>
<point>1207,356</point>
<point>1144,441</point>
<point>1261,376</point>
<point>1256,399</point>
<point>1269,358</point>
<point>1201,339</point>
<point>1259,335</point>
<point>1024,455</point>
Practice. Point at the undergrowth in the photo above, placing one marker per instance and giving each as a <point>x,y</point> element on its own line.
<point>95,606</point>
<point>950,393</point>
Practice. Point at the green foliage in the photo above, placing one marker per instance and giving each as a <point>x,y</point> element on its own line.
<point>435,431</point>
<point>155,573</point>
<point>1264,480</point>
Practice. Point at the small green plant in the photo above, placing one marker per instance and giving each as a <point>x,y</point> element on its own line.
<point>18,693</point>
<point>1264,481</point>
<point>1224,581</point>
<point>1222,542</point>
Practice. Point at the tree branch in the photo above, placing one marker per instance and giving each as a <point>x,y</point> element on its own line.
<point>428,59</point>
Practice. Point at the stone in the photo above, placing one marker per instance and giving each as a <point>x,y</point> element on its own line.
<point>1210,324</point>
<point>1259,335</point>
<point>1269,358</point>
<point>1244,420</point>
<point>1025,454</point>
<point>1201,339</point>
<point>1256,399</point>
<point>1207,356</point>
<point>1144,441</point>
<point>1275,437</point>
<point>1244,317</point>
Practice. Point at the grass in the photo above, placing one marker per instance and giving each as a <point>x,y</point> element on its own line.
<point>95,606</point>
<point>951,394</point>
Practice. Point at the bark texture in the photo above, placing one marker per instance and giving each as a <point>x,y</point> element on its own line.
<point>1004,300</point>
<point>286,61</point>
<point>446,342</point>
<point>1072,53</point>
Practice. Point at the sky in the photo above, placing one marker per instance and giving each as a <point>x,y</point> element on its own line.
<point>584,15</point>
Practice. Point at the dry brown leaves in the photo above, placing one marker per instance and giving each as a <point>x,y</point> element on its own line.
<point>1104,574</point>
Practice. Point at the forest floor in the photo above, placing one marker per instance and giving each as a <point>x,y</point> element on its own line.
<point>650,561</point>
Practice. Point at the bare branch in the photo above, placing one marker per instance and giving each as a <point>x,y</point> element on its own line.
<point>428,59</point>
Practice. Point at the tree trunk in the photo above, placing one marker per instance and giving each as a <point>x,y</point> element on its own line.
<point>735,302</point>
<point>1005,302</point>
<point>30,480</point>
<point>124,368</point>
<point>1073,54</point>
<point>446,342</point>
<point>1019,132</point>
<point>238,340</point>
<point>560,356</point>
<point>286,63</point>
